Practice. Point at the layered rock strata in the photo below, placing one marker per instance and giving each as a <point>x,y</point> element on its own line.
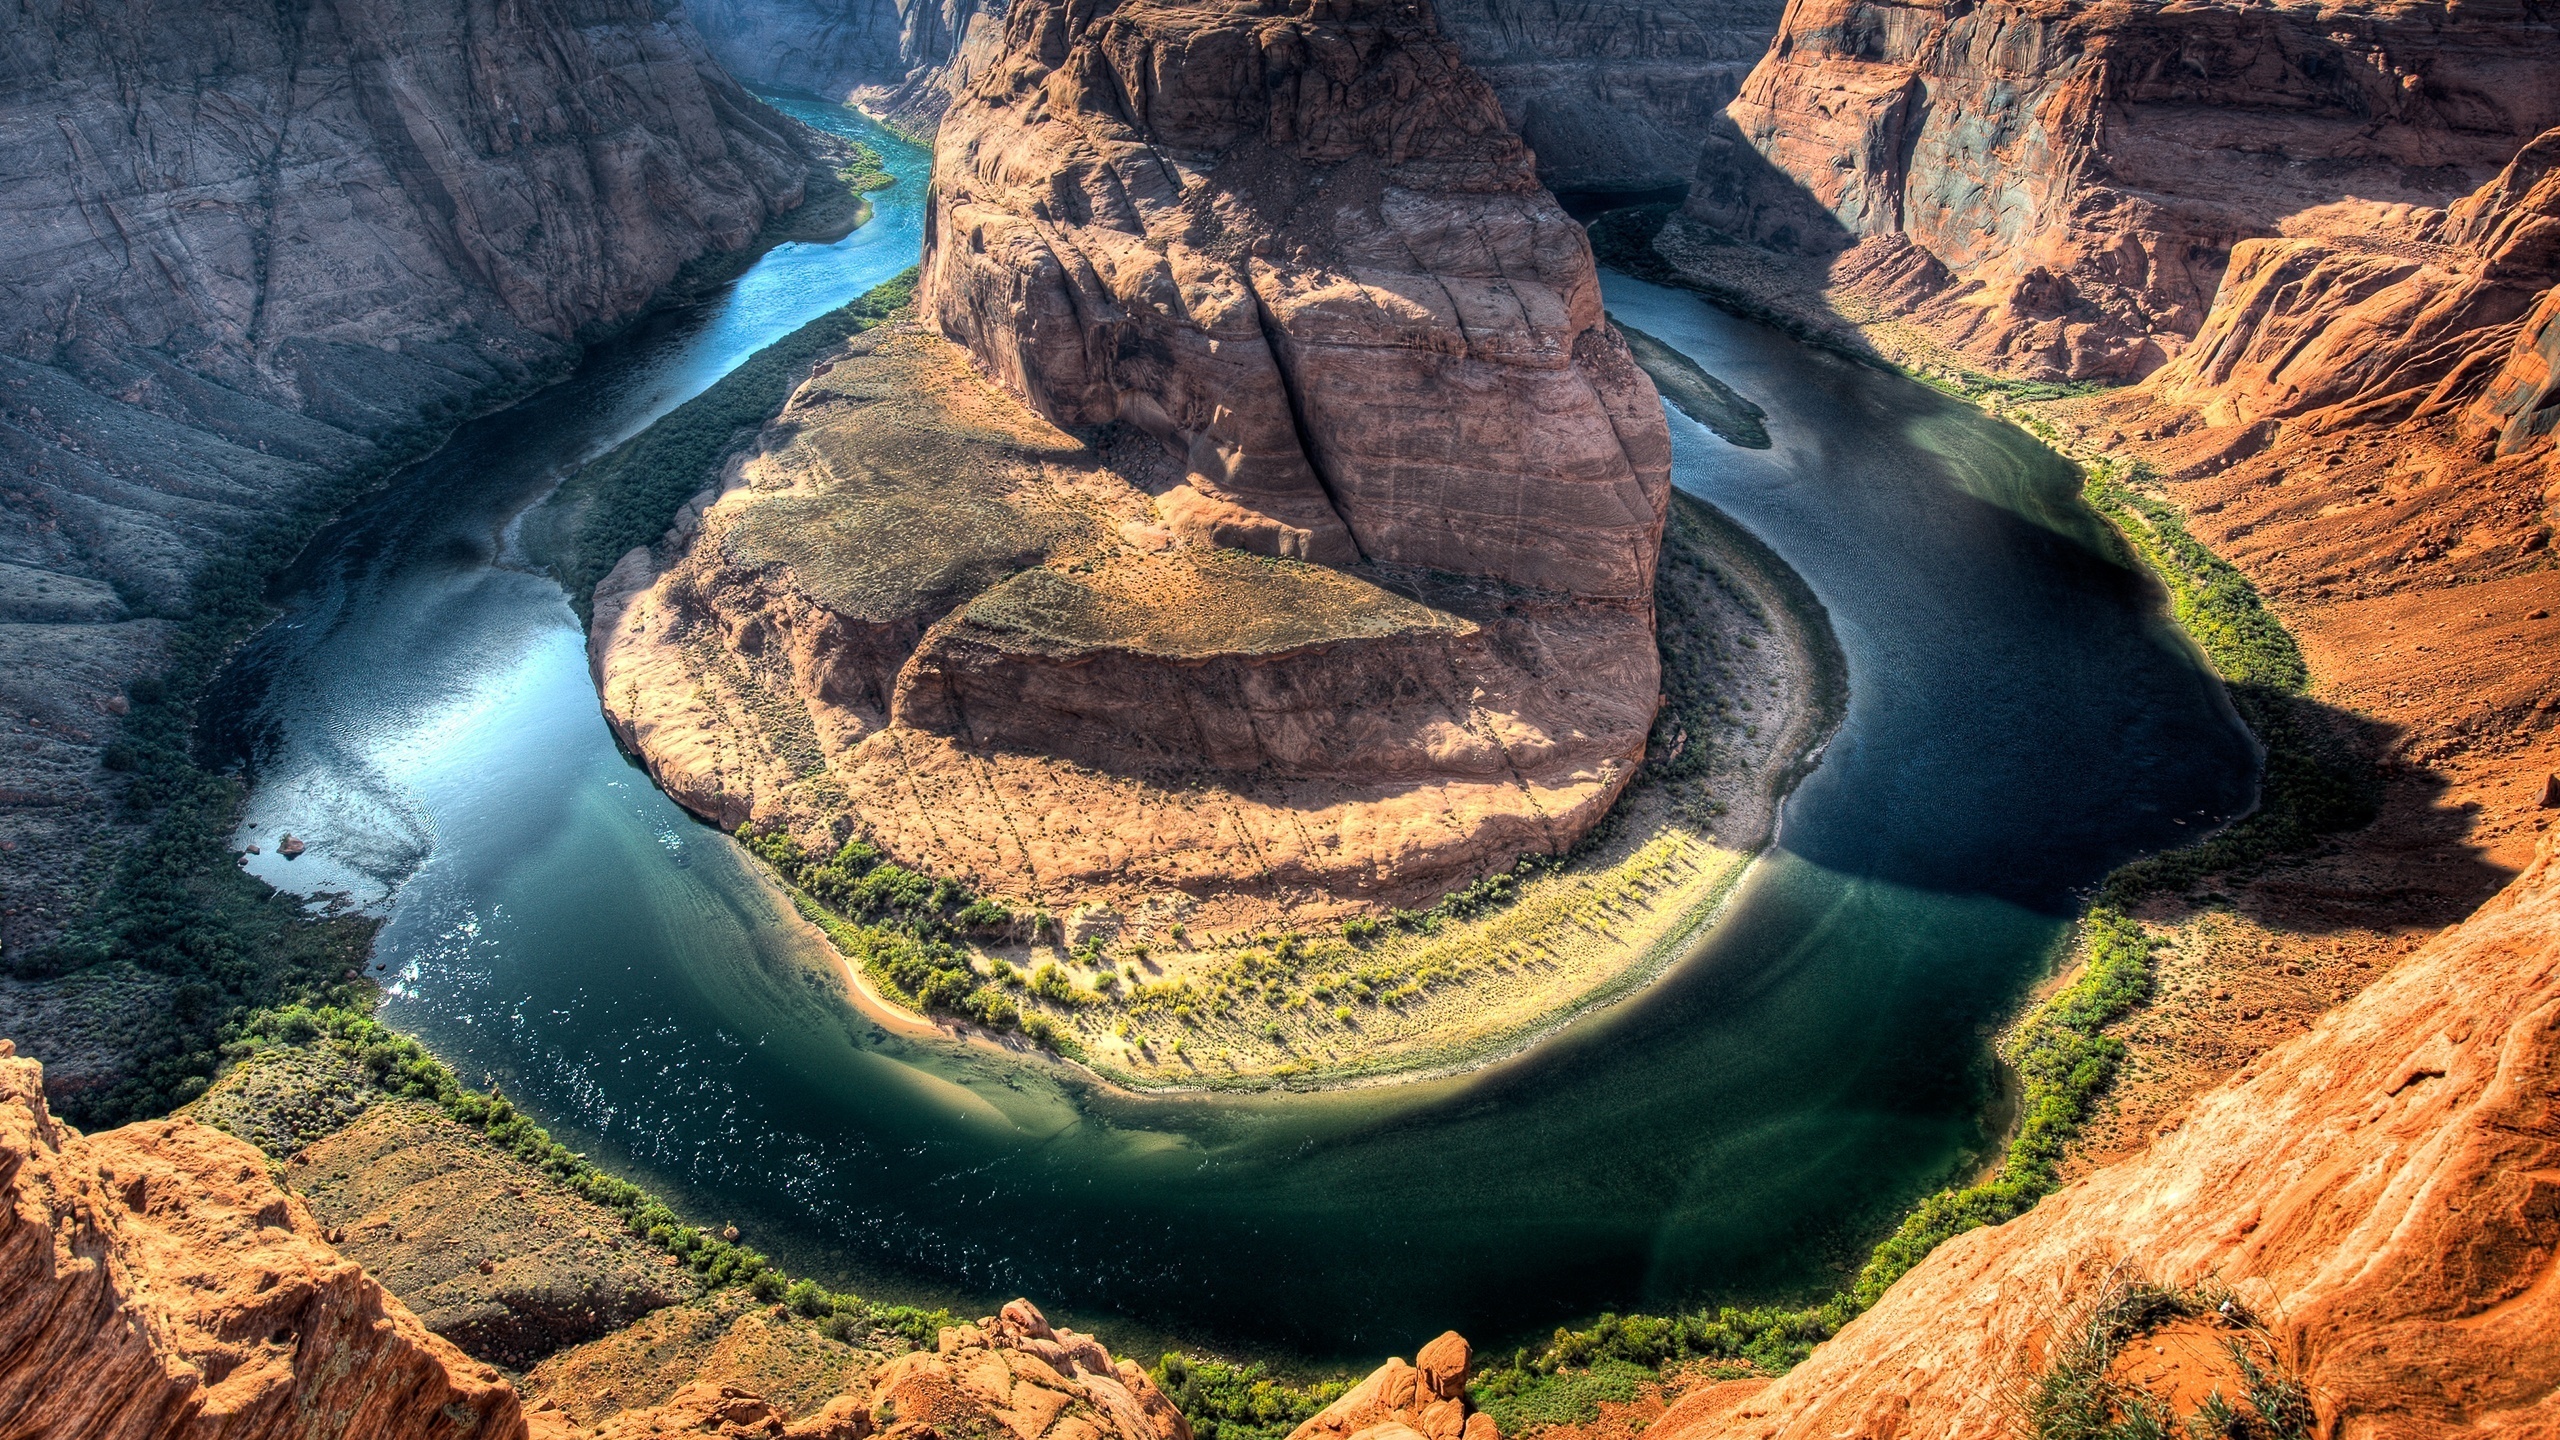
<point>2054,190</point>
<point>2384,1190</point>
<point>1300,553</point>
<point>158,1284</point>
<point>923,612</point>
<point>253,251</point>
<point>1304,253</point>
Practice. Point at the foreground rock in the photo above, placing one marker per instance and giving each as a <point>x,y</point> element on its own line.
<point>1012,1375</point>
<point>2054,190</point>
<point>154,1282</point>
<point>2381,1190</point>
<point>1426,1399</point>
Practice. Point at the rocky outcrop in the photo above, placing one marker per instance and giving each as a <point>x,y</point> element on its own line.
<point>2055,189</point>
<point>1305,253</point>
<point>921,613</point>
<point>1426,1400</point>
<point>1012,1375</point>
<point>252,252</point>
<point>155,1283</point>
<point>2384,1191</point>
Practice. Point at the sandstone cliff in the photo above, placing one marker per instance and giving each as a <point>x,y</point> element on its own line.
<point>252,252</point>
<point>900,58</point>
<point>1245,282</point>
<point>1306,254</point>
<point>2385,1190</point>
<point>2055,189</point>
<point>159,1284</point>
<point>1426,1399</point>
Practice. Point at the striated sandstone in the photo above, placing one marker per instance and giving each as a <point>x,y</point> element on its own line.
<point>922,611</point>
<point>2384,1191</point>
<point>154,1282</point>
<point>1303,252</point>
<point>2054,189</point>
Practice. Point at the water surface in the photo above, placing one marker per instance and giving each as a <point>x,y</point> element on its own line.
<point>2022,718</point>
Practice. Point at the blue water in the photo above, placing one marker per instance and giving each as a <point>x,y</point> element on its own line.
<point>2022,718</point>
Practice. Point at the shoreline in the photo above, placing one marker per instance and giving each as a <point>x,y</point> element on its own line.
<point>1640,823</point>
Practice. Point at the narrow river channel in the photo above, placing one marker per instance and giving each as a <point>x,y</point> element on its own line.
<point>2022,717</point>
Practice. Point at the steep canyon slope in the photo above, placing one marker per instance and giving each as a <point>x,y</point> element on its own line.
<point>2053,189</point>
<point>1310,521</point>
<point>253,253</point>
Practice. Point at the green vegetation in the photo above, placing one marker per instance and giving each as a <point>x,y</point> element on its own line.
<point>1225,1401</point>
<point>626,497</point>
<point>399,1067</point>
<point>900,928</point>
<point>2075,1398</point>
<point>2311,787</point>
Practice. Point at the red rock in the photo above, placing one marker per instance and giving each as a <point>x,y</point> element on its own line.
<point>154,1283</point>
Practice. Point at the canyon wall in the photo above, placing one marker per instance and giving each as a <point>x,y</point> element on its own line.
<point>1612,96</point>
<point>252,252</point>
<point>1307,255</point>
<point>900,58</point>
<point>2054,190</point>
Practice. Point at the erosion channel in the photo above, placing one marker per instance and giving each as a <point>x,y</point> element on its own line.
<point>2022,716</point>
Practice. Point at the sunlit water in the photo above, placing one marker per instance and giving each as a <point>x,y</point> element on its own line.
<point>2022,718</point>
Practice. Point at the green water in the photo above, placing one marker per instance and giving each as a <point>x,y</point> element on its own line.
<point>2021,719</point>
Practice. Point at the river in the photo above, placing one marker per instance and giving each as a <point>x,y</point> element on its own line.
<point>2022,718</point>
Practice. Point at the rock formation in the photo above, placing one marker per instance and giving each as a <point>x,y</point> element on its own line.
<point>2055,189</point>
<point>901,58</point>
<point>1307,255</point>
<point>2384,1191</point>
<point>1336,583</point>
<point>1011,1374</point>
<point>1426,1400</point>
<point>155,1283</point>
<point>253,252</point>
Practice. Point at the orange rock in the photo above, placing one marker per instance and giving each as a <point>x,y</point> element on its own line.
<point>1423,1401</point>
<point>2384,1191</point>
<point>155,1283</point>
<point>1012,1373</point>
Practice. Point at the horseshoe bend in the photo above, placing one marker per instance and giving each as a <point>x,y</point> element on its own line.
<point>1280,720</point>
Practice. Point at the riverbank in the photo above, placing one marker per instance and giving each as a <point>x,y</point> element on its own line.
<point>1756,686</point>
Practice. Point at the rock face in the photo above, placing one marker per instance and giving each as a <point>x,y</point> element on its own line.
<point>922,613</point>
<point>2055,189</point>
<point>1612,96</point>
<point>251,251</point>
<point>154,1282</point>
<point>1301,553</point>
<point>1426,1400</point>
<point>2386,1188</point>
<point>900,57</point>
<point>1306,254</point>
<point>1012,1375</point>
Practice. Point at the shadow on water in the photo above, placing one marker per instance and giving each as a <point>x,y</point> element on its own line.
<point>2021,718</point>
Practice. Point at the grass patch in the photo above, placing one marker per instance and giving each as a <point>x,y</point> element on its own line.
<point>2076,1397</point>
<point>393,1065</point>
<point>624,498</point>
<point>1225,1401</point>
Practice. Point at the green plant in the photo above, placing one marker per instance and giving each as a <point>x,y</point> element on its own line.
<point>1225,1401</point>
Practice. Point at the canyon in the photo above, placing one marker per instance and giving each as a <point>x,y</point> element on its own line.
<point>1197,280</point>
